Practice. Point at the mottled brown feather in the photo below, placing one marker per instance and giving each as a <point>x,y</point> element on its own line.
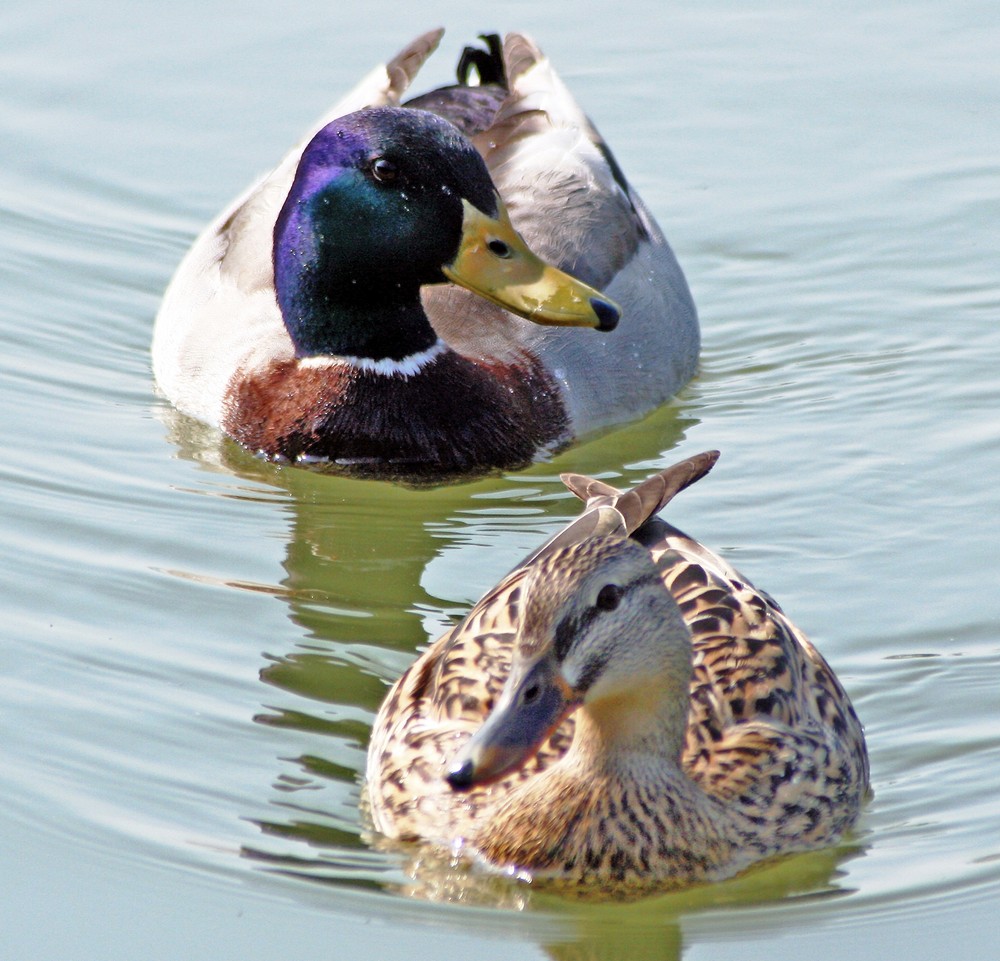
<point>771,740</point>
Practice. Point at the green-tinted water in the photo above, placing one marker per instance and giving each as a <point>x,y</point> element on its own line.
<point>195,643</point>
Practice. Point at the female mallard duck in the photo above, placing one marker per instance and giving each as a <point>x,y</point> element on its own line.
<point>623,713</point>
<point>312,320</point>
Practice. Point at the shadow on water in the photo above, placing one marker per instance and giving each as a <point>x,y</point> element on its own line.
<point>358,590</point>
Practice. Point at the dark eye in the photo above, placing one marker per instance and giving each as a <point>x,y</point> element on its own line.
<point>499,248</point>
<point>384,171</point>
<point>608,597</point>
<point>531,694</point>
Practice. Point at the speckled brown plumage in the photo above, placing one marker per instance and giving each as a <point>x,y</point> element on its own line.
<point>770,759</point>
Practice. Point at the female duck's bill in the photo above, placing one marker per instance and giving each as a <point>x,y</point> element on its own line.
<point>534,703</point>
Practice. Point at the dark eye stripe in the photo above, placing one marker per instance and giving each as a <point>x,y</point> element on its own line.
<point>590,673</point>
<point>568,628</point>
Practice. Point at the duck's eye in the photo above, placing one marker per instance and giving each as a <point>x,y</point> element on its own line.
<point>499,248</point>
<point>531,693</point>
<point>608,597</point>
<point>384,171</point>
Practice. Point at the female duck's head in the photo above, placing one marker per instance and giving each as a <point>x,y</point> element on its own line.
<point>599,631</point>
<point>389,199</point>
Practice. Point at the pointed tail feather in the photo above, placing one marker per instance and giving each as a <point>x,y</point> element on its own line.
<point>646,499</point>
<point>402,68</point>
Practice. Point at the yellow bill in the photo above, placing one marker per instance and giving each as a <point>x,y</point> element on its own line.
<point>494,262</point>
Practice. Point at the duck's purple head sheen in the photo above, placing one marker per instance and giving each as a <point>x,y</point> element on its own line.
<point>384,201</point>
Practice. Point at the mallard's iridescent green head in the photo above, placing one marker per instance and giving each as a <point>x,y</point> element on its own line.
<point>384,201</point>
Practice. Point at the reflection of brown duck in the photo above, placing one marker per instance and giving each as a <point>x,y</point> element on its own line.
<point>707,733</point>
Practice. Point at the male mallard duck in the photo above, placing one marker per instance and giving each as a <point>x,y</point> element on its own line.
<point>624,712</point>
<point>305,321</point>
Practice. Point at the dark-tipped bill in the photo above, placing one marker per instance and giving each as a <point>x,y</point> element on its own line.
<point>494,262</point>
<point>529,710</point>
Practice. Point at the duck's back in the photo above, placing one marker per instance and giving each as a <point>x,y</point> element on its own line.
<point>568,197</point>
<point>771,729</point>
<point>771,732</point>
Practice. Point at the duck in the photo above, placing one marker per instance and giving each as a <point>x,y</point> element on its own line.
<point>395,298</point>
<point>623,714</point>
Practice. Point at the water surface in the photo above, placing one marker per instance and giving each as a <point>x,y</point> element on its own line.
<point>196,643</point>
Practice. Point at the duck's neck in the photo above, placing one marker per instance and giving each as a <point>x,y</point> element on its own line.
<point>615,808</point>
<point>632,745</point>
<point>328,322</point>
<point>334,303</point>
<point>647,723</point>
